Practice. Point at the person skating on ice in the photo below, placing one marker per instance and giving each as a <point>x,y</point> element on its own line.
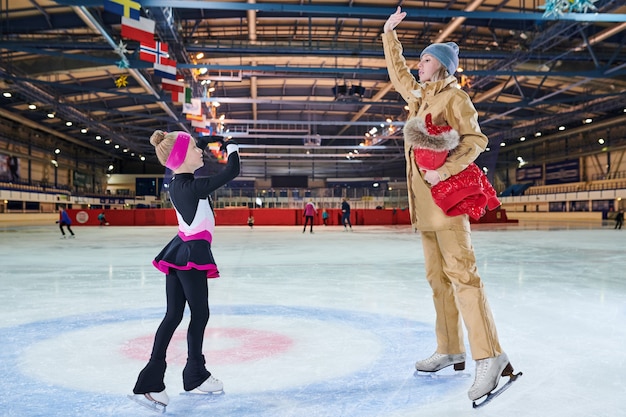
<point>64,220</point>
<point>187,262</point>
<point>619,219</point>
<point>449,257</point>
<point>345,215</point>
<point>309,212</point>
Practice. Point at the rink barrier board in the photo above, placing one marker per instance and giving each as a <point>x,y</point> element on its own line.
<point>262,217</point>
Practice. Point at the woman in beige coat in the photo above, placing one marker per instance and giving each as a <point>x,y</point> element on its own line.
<point>448,253</point>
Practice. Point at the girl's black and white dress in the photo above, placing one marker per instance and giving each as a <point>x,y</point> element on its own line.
<point>191,247</point>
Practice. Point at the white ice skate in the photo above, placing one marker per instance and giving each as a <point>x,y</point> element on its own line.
<point>210,386</point>
<point>154,401</point>
<point>438,361</point>
<point>488,373</point>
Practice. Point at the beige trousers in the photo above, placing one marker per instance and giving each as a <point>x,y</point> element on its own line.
<point>453,277</point>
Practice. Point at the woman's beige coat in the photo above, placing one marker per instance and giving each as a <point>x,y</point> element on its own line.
<point>448,105</point>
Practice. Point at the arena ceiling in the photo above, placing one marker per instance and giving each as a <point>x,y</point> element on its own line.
<point>300,84</point>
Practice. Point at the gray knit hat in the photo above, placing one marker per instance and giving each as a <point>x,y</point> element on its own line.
<point>446,53</point>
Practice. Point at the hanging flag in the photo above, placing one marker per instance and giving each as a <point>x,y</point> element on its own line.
<point>141,30</point>
<point>172,85</point>
<point>199,123</point>
<point>126,8</point>
<point>184,97</point>
<point>153,51</point>
<point>165,69</point>
<point>194,107</point>
<point>196,117</point>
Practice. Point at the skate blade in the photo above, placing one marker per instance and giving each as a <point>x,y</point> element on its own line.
<point>438,375</point>
<point>197,393</point>
<point>150,405</point>
<point>494,394</point>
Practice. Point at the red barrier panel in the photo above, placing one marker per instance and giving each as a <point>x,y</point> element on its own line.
<point>149,217</point>
<point>262,217</point>
<point>170,217</point>
<point>89,217</point>
<point>232,216</point>
<point>376,217</point>
<point>403,216</point>
<point>274,217</point>
<point>117,217</point>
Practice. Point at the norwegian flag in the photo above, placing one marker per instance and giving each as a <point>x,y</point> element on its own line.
<point>153,51</point>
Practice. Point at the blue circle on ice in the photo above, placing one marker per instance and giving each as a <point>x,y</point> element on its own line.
<point>386,386</point>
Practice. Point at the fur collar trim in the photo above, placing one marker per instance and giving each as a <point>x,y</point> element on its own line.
<point>424,134</point>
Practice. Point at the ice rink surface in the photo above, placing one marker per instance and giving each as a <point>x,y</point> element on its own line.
<point>326,324</point>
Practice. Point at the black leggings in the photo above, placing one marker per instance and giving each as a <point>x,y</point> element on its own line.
<point>69,229</point>
<point>181,287</point>
<point>306,221</point>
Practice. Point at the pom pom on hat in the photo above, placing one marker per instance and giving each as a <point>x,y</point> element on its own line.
<point>446,53</point>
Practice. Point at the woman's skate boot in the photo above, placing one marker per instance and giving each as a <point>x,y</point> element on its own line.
<point>488,373</point>
<point>439,361</point>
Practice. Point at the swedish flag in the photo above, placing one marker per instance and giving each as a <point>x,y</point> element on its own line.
<point>126,8</point>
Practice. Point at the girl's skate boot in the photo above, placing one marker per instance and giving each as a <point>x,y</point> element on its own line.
<point>210,386</point>
<point>155,401</point>
<point>439,361</point>
<point>488,373</point>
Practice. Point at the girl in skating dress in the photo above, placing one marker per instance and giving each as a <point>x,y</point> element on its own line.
<point>187,262</point>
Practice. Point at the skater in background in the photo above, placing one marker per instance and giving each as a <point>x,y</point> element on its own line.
<point>325,217</point>
<point>450,261</point>
<point>64,220</point>
<point>102,219</point>
<point>345,216</point>
<point>187,262</point>
<point>251,221</point>
<point>309,211</point>
<point>619,219</point>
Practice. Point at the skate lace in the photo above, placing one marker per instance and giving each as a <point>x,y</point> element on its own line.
<point>213,380</point>
<point>435,357</point>
<point>482,368</point>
